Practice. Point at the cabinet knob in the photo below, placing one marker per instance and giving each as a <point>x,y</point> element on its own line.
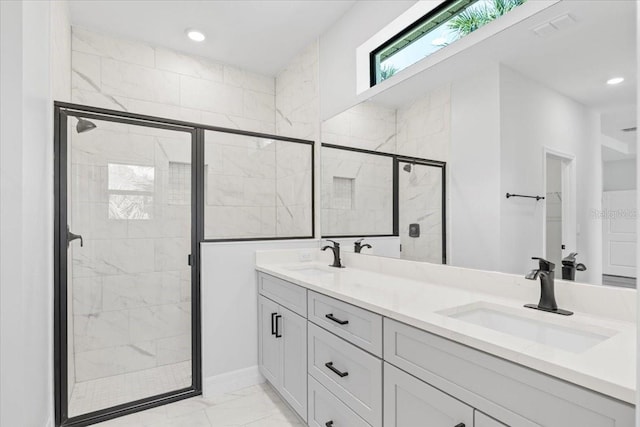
<point>460,425</point>
<point>329,424</point>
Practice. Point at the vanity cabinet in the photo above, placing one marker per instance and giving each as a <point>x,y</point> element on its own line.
<point>513,394</point>
<point>282,352</point>
<point>409,402</point>
<point>352,367</point>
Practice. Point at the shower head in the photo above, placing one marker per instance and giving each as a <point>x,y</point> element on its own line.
<point>407,167</point>
<point>84,125</point>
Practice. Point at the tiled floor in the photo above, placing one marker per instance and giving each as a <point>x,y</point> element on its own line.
<point>103,393</point>
<point>257,406</point>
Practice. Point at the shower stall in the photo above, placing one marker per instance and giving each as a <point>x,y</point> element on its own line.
<point>135,196</point>
<point>127,331</point>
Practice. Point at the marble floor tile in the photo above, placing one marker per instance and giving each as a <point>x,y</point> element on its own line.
<point>250,407</point>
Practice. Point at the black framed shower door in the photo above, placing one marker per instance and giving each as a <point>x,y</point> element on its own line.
<point>123,192</point>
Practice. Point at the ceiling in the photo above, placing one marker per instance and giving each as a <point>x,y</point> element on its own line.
<point>575,61</point>
<point>260,36</point>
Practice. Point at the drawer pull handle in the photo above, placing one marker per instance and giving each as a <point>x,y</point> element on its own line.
<point>338,321</point>
<point>278,334</point>
<point>329,424</point>
<point>273,323</point>
<point>335,371</point>
<point>460,425</point>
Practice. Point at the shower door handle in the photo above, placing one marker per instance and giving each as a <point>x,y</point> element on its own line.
<point>71,237</point>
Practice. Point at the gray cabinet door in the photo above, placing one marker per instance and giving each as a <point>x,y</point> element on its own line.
<point>293,329</point>
<point>482,420</point>
<point>409,402</point>
<point>269,347</point>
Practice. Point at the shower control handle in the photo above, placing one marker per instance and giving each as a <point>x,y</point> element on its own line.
<point>72,236</point>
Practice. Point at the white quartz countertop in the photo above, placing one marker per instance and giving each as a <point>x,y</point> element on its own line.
<point>607,368</point>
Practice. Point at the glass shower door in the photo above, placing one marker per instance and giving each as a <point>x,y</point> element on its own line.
<point>128,275</point>
<point>421,211</point>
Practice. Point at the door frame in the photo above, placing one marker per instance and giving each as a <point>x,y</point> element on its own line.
<point>60,333</point>
<point>569,212</point>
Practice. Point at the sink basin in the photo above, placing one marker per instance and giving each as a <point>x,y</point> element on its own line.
<point>571,337</point>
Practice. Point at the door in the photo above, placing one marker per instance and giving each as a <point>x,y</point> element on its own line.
<point>409,402</point>
<point>269,346</point>
<point>421,211</point>
<point>124,271</point>
<point>294,361</point>
<point>619,233</point>
<point>560,208</point>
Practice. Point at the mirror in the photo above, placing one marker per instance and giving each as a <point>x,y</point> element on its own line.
<point>536,142</point>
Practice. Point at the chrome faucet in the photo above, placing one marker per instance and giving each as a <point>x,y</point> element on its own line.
<point>336,254</point>
<point>358,246</point>
<point>547,287</point>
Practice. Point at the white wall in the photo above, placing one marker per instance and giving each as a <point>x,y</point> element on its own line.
<point>26,226</point>
<point>338,50</point>
<point>474,172</point>
<point>638,251</point>
<point>532,118</point>
<point>619,175</point>
<point>230,312</point>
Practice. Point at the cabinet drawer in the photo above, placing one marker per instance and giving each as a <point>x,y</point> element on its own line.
<point>285,293</point>
<point>325,409</point>
<point>350,373</point>
<point>516,395</point>
<point>409,402</point>
<point>362,328</point>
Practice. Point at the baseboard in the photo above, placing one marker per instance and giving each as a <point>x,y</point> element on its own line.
<point>231,381</point>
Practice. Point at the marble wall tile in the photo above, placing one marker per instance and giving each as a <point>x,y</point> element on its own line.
<point>161,321</point>
<point>293,221</point>
<point>133,81</point>
<point>174,349</point>
<point>124,256</point>
<point>109,47</point>
<point>211,96</point>
<point>245,79</point>
<point>100,330</point>
<point>176,62</point>
<point>87,295</point>
<point>171,253</point>
<point>231,221</point>
<point>97,99</point>
<point>121,292</point>
<point>85,72</point>
<point>139,267</point>
<point>297,95</point>
<point>259,106</point>
<point>91,220</point>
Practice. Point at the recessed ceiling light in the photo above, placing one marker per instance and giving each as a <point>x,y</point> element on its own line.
<point>195,35</point>
<point>615,80</point>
